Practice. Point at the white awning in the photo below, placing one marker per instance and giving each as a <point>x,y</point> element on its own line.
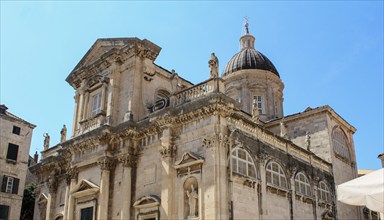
<point>367,190</point>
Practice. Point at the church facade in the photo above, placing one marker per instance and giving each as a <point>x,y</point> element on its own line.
<point>148,144</point>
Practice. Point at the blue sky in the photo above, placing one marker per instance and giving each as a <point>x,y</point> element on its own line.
<point>326,53</point>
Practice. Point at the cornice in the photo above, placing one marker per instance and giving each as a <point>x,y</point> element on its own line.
<point>142,49</point>
<point>254,130</point>
<point>312,112</point>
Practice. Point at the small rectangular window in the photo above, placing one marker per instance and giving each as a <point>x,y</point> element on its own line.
<point>4,210</point>
<point>258,101</point>
<point>10,185</point>
<point>13,150</point>
<point>16,130</point>
<point>86,213</point>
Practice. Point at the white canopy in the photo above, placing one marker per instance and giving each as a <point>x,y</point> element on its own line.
<point>367,190</point>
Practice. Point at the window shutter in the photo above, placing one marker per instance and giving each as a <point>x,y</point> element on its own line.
<point>15,186</point>
<point>4,183</point>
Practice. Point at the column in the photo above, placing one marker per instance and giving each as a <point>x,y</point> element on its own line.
<point>129,161</point>
<point>71,179</point>
<point>106,164</point>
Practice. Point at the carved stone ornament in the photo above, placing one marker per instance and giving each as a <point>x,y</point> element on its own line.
<point>72,173</point>
<point>128,160</point>
<point>106,163</point>
<point>209,142</point>
<point>168,150</point>
<point>189,163</point>
<point>52,183</point>
<point>262,156</point>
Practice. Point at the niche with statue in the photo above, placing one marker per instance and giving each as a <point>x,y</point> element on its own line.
<point>191,198</point>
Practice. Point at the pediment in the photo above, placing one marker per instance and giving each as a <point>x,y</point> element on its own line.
<point>98,55</point>
<point>189,159</point>
<point>85,185</point>
<point>42,198</point>
<point>101,47</point>
<point>147,201</point>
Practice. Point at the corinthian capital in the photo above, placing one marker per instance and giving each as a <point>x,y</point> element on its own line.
<point>72,173</point>
<point>128,160</point>
<point>106,163</point>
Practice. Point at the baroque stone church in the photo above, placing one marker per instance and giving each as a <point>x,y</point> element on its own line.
<point>148,144</point>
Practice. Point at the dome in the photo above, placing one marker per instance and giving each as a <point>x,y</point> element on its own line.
<point>249,58</point>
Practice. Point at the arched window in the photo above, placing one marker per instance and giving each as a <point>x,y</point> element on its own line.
<point>276,176</point>
<point>242,163</point>
<point>302,185</point>
<point>323,193</point>
<point>340,145</point>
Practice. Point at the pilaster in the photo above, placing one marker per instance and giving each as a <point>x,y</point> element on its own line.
<point>52,186</point>
<point>168,152</point>
<point>71,179</point>
<point>106,164</point>
<point>129,161</point>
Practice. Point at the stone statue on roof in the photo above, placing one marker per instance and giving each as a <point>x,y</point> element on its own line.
<point>213,64</point>
<point>46,141</point>
<point>63,133</point>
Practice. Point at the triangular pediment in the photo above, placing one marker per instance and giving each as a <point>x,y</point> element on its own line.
<point>85,185</point>
<point>104,48</point>
<point>189,158</point>
<point>42,198</point>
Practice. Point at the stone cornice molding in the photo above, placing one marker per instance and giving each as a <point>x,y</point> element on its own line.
<point>312,112</point>
<point>253,73</point>
<point>287,146</point>
<point>143,49</point>
<point>83,145</point>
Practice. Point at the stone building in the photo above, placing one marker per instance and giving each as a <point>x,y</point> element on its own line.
<point>15,140</point>
<point>148,144</point>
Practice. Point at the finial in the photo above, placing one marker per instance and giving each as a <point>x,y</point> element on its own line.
<point>246,30</point>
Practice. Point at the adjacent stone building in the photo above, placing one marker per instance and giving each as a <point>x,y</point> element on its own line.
<point>15,140</point>
<point>148,144</point>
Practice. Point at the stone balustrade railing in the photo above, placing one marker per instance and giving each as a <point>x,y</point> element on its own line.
<point>198,91</point>
<point>92,123</point>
